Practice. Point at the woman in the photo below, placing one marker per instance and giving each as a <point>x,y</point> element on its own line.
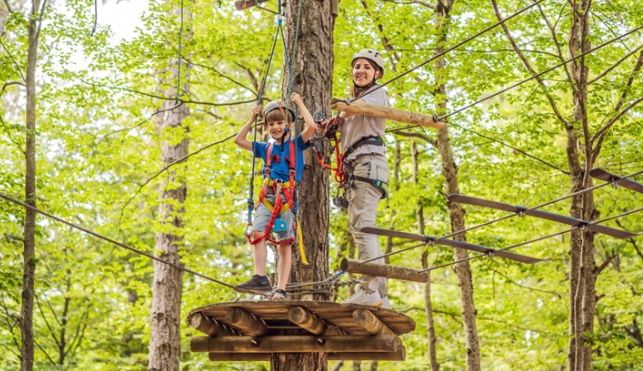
<point>366,169</point>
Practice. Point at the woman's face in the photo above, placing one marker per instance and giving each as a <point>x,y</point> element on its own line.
<point>363,72</point>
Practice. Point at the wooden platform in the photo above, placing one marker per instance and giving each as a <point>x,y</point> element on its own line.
<point>252,330</point>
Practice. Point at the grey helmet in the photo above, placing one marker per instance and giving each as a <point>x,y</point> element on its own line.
<point>276,105</point>
<point>371,55</point>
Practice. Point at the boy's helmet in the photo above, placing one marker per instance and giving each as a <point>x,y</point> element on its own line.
<point>276,105</point>
<point>371,55</point>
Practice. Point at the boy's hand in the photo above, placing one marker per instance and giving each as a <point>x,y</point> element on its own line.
<point>256,110</point>
<point>296,99</point>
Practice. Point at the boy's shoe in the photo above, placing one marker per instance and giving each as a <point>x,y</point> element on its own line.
<point>279,295</point>
<point>256,285</point>
<point>365,298</point>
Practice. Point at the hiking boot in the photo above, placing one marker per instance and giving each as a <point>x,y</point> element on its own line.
<point>279,295</point>
<point>256,285</point>
<point>365,297</point>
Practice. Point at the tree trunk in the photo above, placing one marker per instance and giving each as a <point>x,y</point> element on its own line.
<point>456,212</point>
<point>581,248</point>
<point>165,319</point>
<point>428,304</point>
<point>29,240</point>
<point>312,76</point>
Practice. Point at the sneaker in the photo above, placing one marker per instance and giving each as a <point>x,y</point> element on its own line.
<point>365,297</point>
<point>256,285</point>
<point>279,295</point>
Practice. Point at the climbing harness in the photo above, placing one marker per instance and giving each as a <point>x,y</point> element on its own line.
<point>278,188</point>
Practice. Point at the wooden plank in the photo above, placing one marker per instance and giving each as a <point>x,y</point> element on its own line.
<point>296,344</point>
<point>306,320</point>
<point>613,178</point>
<point>400,355</point>
<point>386,112</point>
<point>245,4</point>
<point>384,270</point>
<point>371,323</point>
<point>209,326</point>
<point>244,322</point>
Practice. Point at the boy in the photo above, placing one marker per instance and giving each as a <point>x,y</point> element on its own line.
<point>283,165</point>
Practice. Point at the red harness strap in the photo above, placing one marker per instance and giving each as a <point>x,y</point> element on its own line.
<point>287,192</point>
<point>339,174</point>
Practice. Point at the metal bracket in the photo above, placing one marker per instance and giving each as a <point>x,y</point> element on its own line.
<point>489,253</point>
<point>430,242</point>
<point>521,212</point>
<point>583,227</point>
<point>614,183</point>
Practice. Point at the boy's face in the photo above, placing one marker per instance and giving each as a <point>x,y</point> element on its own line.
<point>276,129</point>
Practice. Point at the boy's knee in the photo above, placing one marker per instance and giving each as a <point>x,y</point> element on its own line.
<point>284,248</point>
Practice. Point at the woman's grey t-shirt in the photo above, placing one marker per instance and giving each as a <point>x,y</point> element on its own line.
<point>360,126</point>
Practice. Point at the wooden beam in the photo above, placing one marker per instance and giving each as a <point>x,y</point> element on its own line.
<point>245,4</point>
<point>386,113</point>
<point>244,322</point>
<point>306,320</point>
<point>384,270</point>
<point>296,344</point>
<point>209,326</point>
<point>371,323</point>
<point>400,355</point>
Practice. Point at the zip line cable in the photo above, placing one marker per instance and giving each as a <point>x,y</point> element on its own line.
<point>534,240</point>
<point>440,118</point>
<point>478,34</point>
<point>33,208</point>
<point>502,218</point>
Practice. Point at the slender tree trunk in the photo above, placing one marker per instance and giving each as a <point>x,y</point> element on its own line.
<point>428,304</point>
<point>456,212</point>
<point>29,240</point>
<point>583,273</point>
<point>165,336</point>
<point>312,76</point>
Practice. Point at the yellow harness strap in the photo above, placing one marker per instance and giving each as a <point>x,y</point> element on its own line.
<point>300,237</point>
<point>271,207</point>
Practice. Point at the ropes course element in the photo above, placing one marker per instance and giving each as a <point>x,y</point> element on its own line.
<point>536,239</point>
<point>95,17</point>
<point>444,117</point>
<point>32,208</point>
<point>451,48</point>
<point>509,216</point>
<point>178,74</point>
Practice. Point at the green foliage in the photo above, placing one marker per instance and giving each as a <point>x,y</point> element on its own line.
<point>99,149</point>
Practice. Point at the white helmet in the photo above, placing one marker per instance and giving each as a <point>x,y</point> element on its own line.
<point>371,55</point>
<point>276,105</point>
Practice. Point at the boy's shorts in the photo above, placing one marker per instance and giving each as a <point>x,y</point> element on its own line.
<point>263,215</point>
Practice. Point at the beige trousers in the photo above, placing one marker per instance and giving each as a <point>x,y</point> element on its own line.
<point>363,199</point>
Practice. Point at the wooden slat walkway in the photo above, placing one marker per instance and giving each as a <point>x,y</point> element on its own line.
<point>275,315</point>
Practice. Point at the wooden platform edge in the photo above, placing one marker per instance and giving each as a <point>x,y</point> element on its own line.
<point>400,355</point>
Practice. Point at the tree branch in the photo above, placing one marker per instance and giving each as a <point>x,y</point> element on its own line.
<point>142,122</point>
<point>166,98</point>
<point>6,2</point>
<point>528,65</point>
<point>45,352</point>
<point>419,2</point>
<point>42,314</point>
<point>14,61</point>
<point>424,137</point>
<point>604,73</point>
<point>614,120</point>
<point>9,83</point>
<point>560,52</point>
<point>599,269</point>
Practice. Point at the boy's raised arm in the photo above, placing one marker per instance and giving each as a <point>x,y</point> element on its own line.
<point>240,139</point>
<point>309,130</point>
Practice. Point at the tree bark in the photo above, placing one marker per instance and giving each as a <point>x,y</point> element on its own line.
<point>165,319</point>
<point>456,212</point>
<point>29,239</point>
<point>583,273</point>
<point>428,304</point>
<point>312,70</point>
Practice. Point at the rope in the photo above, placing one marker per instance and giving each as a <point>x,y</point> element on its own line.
<point>178,75</point>
<point>502,218</point>
<point>259,99</point>
<point>95,17</point>
<point>441,118</point>
<point>535,240</point>
<point>32,208</point>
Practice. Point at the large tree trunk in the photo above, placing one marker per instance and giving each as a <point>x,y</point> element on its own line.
<point>312,76</point>
<point>165,337</point>
<point>456,212</point>
<point>29,240</point>
<point>582,293</point>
